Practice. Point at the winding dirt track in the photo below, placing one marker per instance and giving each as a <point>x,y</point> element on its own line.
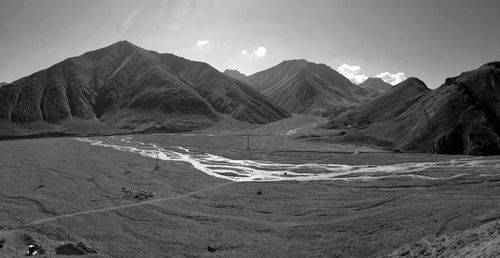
<point>218,216</point>
<point>118,207</point>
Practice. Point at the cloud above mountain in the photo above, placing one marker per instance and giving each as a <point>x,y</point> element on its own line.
<point>392,78</point>
<point>351,72</point>
<point>260,51</point>
<point>202,43</point>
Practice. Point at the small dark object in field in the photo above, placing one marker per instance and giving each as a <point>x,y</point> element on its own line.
<point>41,185</point>
<point>91,176</point>
<point>157,167</point>
<point>2,242</point>
<point>86,248</point>
<point>210,248</point>
<point>259,191</point>
<point>79,248</point>
<point>342,133</point>
<point>140,194</point>
<point>398,151</point>
<point>128,169</point>
<point>405,253</point>
<point>69,249</point>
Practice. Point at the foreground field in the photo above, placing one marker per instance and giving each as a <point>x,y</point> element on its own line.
<point>113,203</point>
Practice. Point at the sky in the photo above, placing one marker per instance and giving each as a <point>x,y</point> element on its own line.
<point>391,39</point>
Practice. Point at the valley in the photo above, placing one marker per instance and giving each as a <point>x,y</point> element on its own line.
<point>249,128</point>
<point>211,196</point>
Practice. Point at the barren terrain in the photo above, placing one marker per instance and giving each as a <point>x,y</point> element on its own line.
<point>211,196</point>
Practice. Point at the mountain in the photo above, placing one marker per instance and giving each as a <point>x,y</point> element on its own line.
<point>375,85</point>
<point>389,105</point>
<point>3,84</point>
<point>129,89</point>
<point>235,74</point>
<point>462,116</point>
<point>303,87</point>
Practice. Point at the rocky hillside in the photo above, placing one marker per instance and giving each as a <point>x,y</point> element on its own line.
<point>128,88</point>
<point>303,87</point>
<point>235,74</point>
<point>461,116</point>
<point>483,241</point>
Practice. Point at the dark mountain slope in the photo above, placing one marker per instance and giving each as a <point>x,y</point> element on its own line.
<point>130,88</point>
<point>307,88</point>
<point>390,104</point>
<point>226,95</point>
<point>263,80</point>
<point>375,85</point>
<point>235,74</point>
<point>461,116</point>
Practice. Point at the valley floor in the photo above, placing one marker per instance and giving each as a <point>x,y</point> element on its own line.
<point>60,190</point>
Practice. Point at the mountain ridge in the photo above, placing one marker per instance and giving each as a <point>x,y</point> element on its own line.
<point>133,89</point>
<point>303,87</point>
<point>235,74</point>
<point>376,85</point>
<point>462,116</point>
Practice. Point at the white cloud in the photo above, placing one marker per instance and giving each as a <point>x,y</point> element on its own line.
<point>202,43</point>
<point>244,52</point>
<point>392,78</point>
<point>345,68</point>
<point>351,73</point>
<point>260,51</point>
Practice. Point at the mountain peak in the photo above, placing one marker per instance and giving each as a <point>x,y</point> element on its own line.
<point>414,81</point>
<point>122,47</point>
<point>375,79</point>
<point>375,84</point>
<point>118,84</point>
<point>123,43</point>
<point>305,87</point>
<point>235,74</point>
<point>293,64</point>
<point>295,61</point>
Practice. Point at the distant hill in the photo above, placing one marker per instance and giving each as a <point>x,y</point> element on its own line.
<point>460,117</point>
<point>127,88</point>
<point>235,74</point>
<point>3,83</point>
<point>389,105</point>
<point>303,87</point>
<point>376,85</point>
